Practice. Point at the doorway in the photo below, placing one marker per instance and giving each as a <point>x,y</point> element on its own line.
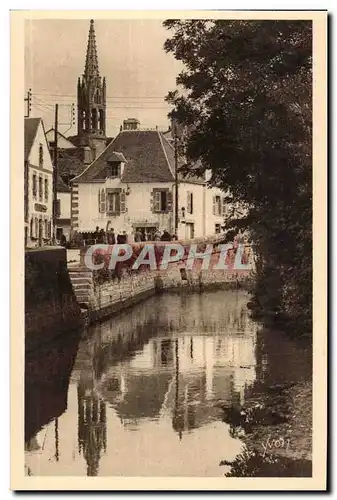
<point>40,232</point>
<point>189,230</point>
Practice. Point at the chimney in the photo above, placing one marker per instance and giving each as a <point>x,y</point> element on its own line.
<point>87,155</point>
<point>131,124</point>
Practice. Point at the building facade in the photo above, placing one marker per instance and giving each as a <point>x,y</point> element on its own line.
<point>38,185</point>
<point>131,187</point>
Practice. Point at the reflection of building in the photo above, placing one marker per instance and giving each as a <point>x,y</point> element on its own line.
<point>181,378</point>
<point>91,428</point>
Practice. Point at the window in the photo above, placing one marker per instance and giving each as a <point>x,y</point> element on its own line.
<point>189,202</point>
<point>40,155</point>
<point>49,229</point>
<point>34,186</point>
<point>114,170</point>
<point>101,201</point>
<point>113,200</point>
<point>40,189</point>
<point>46,228</point>
<point>36,233</point>
<point>224,206</point>
<point>162,200</point>
<point>46,190</point>
<point>31,228</point>
<point>217,228</point>
<point>217,205</point>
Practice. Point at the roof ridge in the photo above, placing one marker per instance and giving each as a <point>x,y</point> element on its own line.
<point>168,163</point>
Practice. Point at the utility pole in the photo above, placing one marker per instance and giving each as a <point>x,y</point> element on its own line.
<point>55,207</point>
<point>176,218</point>
<point>28,100</point>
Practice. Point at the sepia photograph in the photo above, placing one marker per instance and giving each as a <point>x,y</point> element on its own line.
<point>170,219</point>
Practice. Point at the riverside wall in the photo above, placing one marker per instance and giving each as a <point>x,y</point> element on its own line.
<point>110,297</point>
<point>51,307</point>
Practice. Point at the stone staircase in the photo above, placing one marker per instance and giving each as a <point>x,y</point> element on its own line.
<point>82,281</point>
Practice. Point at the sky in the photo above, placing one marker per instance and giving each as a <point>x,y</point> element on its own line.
<point>131,57</point>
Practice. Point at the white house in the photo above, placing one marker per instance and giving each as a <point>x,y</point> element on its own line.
<point>38,185</point>
<point>131,185</point>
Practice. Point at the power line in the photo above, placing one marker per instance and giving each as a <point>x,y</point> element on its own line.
<point>159,98</point>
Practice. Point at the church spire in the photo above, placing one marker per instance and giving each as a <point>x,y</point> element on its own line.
<point>91,99</point>
<point>91,70</point>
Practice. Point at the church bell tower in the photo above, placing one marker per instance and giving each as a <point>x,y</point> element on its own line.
<point>91,100</point>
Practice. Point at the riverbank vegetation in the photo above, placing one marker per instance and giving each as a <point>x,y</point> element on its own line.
<point>245,106</point>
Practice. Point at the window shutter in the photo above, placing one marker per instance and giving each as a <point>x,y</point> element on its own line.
<point>101,200</point>
<point>156,201</point>
<point>214,205</point>
<point>152,201</point>
<point>224,206</point>
<point>189,202</point>
<point>123,207</point>
<point>34,185</point>
<point>169,201</point>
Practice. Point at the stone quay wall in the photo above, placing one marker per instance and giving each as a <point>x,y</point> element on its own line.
<point>110,297</point>
<point>50,303</point>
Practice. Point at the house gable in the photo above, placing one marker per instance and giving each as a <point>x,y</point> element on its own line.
<point>36,145</point>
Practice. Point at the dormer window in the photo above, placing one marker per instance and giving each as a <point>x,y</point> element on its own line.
<point>114,169</point>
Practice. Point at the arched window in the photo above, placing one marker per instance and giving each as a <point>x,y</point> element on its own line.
<point>101,119</point>
<point>94,119</point>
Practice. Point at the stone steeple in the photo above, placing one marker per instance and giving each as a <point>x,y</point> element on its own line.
<point>91,99</point>
<point>91,71</point>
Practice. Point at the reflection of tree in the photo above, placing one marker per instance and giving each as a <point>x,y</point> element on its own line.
<point>91,428</point>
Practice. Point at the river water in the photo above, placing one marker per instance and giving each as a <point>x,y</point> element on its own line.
<point>142,394</point>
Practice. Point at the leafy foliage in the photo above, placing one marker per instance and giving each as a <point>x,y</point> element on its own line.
<point>245,99</point>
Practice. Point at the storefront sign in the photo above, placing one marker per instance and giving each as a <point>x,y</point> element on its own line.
<point>40,208</point>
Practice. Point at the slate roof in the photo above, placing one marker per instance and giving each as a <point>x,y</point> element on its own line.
<point>69,164</point>
<point>149,158</point>
<point>31,126</point>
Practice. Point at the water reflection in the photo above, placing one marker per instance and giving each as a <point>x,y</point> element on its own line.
<point>146,389</point>
<point>91,427</point>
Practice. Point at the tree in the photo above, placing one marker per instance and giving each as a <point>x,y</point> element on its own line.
<point>246,92</point>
